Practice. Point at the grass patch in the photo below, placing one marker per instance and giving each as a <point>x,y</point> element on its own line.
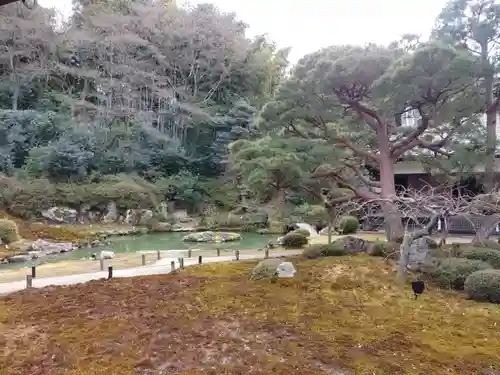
<point>338,314</point>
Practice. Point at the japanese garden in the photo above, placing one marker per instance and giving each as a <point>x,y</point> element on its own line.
<point>140,134</point>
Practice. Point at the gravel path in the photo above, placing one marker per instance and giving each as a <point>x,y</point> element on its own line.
<point>162,266</point>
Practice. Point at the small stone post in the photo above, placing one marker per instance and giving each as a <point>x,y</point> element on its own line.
<point>29,281</point>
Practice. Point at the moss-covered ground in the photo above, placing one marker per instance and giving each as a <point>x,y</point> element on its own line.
<point>337,316</point>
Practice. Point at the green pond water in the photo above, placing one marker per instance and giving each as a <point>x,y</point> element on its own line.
<point>153,242</point>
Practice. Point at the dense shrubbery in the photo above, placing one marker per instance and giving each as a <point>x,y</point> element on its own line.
<point>483,285</point>
<point>8,231</point>
<point>451,273</point>
<point>294,240</point>
<point>318,251</point>
<point>383,249</point>
<point>314,215</point>
<point>491,256</point>
<point>27,198</point>
<point>348,225</point>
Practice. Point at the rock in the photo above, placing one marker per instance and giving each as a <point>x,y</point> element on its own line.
<point>111,214</point>
<point>181,216</point>
<point>61,215</point>
<point>19,258</point>
<point>419,254</point>
<point>286,270</point>
<point>180,228</point>
<point>138,216</point>
<point>210,236</point>
<point>353,244</point>
<point>324,231</point>
<point>47,248</point>
<point>272,268</point>
<point>22,246</point>
<point>161,227</point>
<point>262,231</point>
<point>163,210</point>
<point>107,255</point>
<point>93,217</point>
<point>83,214</point>
<point>146,217</point>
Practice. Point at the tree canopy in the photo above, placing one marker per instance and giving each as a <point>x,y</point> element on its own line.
<point>179,95</point>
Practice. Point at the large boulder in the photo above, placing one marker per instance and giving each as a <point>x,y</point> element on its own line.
<point>420,254</point>
<point>138,216</point>
<point>212,237</point>
<point>181,216</point>
<point>111,214</point>
<point>20,258</point>
<point>273,268</point>
<point>352,244</point>
<point>162,210</point>
<point>325,230</point>
<point>47,247</point>
<point>61,215</point>
<point>161,227</point>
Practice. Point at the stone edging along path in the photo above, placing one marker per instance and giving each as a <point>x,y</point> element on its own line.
<point>162,266</point>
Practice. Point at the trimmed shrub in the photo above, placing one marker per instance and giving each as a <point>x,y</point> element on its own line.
<point>8,231</point>
<point>483,285</point>
<point>318,251</point>
<point>294,240</point>
<point>491,256</point>
<point>382,249</point>
<point>303,232</point>
<point>451,273</point>
<point>348,225</point>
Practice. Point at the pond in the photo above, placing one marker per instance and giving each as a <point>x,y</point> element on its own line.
<point>152,242</point>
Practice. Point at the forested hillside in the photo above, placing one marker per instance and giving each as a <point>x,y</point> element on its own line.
<point>124,89</point>
<point>140,102</point>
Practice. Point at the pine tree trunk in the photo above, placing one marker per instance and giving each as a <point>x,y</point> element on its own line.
<point>392,217</point>
<point>486,227</point>
<point>491,122</point>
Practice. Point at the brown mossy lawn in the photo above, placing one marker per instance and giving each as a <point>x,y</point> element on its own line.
<point>337,316</point>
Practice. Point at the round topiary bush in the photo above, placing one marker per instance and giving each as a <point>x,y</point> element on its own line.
<point>303,232</point>
<point>318,251</point>
<point>349,225</point>
<point>382,249</point>
<point>491,256</point>
<point>451,272</point>
<point>483,285</point>
<point>294,240</point>
<point>8,231</point>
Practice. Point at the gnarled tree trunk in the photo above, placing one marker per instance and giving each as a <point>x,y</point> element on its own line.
<point>392,217</point>
<point>486,227</point>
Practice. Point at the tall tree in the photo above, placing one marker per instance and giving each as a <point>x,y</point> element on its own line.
<point>474,25</point>
<point>354,97</point>
<point>27,45</point>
